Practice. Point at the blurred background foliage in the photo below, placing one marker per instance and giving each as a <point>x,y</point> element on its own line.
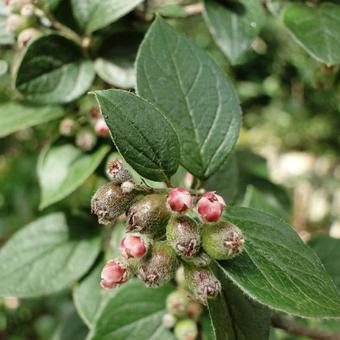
<point>286,160</point>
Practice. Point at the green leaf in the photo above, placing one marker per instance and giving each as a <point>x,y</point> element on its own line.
<point>63,168</point>
<point>6,38</point>
<point>141,133</point>
<point>135,312</point>
<point>95,14</point>
<point>235,316</point>
<point>316,30</point>
<point>54,70</point>
<point>117,57</point>
<point>278,269</point>
<point>15,116</point>
<point>328,249</point>
<point>234,25</point>
<point>46,256</point>
<point>192,91</point>
<point>225,180</point>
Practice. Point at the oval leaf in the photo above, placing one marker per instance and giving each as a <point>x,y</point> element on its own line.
<point>63,168</point>
<point>135,312</point>
<point>53,70</point>
<point>141,133</point>
<point>191,90</point>
<point>92,15</point>
<point>234,25</point>
<point>15,116</point>
<point>46,256</point>
<point>278,269</point>
<point>316,30</point>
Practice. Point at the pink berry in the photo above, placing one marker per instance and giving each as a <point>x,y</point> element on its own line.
<point>133,246</point>
<point>179,199</point>
<point>210,206</point>
<point>101,128</point>
<point>113,274</point>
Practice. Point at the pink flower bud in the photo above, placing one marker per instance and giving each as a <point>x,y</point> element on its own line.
<point>133,246</point>
<point>179,199</point>
<point>101,128</point>
<point>210,206</point>
<point>113,274</point>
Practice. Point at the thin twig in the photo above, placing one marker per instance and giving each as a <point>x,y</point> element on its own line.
<point>296,328</point>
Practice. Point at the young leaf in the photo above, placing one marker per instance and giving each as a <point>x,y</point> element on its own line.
<point>46,256</point>
<point>95,14</point>
<point>63,168</point>
<point>192,91</point>
<point>234,316</point>
<point>134,312</point>
<point>15,116</point>
<point>141,133</point>
<point>278,269</point>
<point>328,249</point>
<point>54,70</point>
<point>316,30</point>
<point>117,54</point>
<point>234,25</point>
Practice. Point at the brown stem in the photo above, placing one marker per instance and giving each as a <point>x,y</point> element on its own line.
<point>296,328</point>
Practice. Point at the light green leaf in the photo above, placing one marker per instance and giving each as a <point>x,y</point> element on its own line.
<point>235,317</point>
<point>278,269</point>
<point>63,168</point>
<point>117,57</point>
<point>316,30</point>
<point>234,25</point>
<point>15,116</point>
<point>194,94</point>
<point>135,312</point>
<point>92,15</point>
<point>46,256</point>
<point>54,70</point>
<point>328,249</point>
<point>141,133</point>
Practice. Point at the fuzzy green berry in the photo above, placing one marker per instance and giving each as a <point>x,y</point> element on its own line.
<point>149,215</point>
<point>222,241</point>
<point>177,303</point>
<point>202,283</point>
<point>160,267</point>
<point>183,235</point>
<point>110,201</point>
<point>186,330</point>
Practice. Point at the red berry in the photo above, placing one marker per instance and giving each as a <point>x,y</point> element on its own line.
<point>113,274</point>
<point>179,199</point>
<point>101,128</point>
<point>210,206</point>
<point>133,246</point>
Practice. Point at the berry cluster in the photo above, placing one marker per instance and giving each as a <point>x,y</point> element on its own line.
<point>23,20</point>
<point>86,130</point>
<point>165,228</point>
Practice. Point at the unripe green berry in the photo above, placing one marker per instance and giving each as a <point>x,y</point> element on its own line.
<point>109,202</point>
<point>168,320</point>
<point>149,215</point>
<point>186,330</point>
<point>202,283</point>
<point>160,267</point>
<point>177,303</point>
<point>222,241</point>
<point>183,235</point>
<point>200,260</point>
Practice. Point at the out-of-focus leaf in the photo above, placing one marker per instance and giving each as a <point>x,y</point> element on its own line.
<point>63,168</point>
<point>47,256</point>
<point>54,70</point>
<point>15,116</point>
